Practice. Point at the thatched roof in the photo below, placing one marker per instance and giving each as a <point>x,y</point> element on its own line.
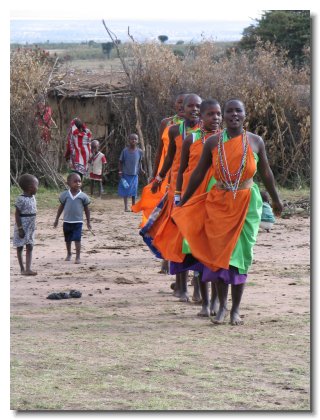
<point>87,84</point>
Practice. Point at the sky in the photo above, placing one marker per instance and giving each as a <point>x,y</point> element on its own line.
<point>121,9</point>
<point>149,9</point>
<point>134,9</point>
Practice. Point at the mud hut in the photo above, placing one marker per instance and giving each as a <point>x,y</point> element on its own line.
<point>97,99</point>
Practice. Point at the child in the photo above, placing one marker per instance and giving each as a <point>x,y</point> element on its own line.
<point>130,163</point>
<point>73,202</point>
<point>78,147</point>
<point>97,164</point>
<point>267,217</point>
<point>25,221</point>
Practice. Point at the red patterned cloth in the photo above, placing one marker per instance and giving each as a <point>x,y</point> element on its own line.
<point>79,148</point>
<point>44,121</point>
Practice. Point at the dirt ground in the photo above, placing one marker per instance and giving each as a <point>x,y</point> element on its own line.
<point>128,344</point>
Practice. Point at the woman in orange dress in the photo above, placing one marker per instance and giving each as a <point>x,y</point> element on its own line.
<point>211,117</point>
<point>163,228</point>
<point>148,200</point>
<point>221,226</point>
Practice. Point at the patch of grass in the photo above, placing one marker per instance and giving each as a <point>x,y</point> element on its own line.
<point>46,197</point>
<point>294,194</point>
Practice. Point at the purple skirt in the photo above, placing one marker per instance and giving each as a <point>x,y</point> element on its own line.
<point>230,276</point>
<point>189,263</point>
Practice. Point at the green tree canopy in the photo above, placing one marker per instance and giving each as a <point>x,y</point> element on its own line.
<point>163,38</point>
<point>289,29</point>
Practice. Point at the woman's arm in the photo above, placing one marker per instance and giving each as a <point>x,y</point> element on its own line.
<point>184,160</point>
<point>267,176</point>
<point>173,133</point>
<point>200,171</point>
<point>159,148</point>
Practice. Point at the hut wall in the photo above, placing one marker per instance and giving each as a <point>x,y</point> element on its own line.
<point>95,112</point>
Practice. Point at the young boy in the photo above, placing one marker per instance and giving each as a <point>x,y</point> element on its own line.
<point>97,163</point>
<point>130,163</point>
<point>73,203</point>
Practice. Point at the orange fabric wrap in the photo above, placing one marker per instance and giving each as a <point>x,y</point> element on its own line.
<point>148,200</point>
<point>195,152</point>
<point>168,238</point>
<point>212,222</point>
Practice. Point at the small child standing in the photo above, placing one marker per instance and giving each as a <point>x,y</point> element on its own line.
<point>267,217</point>
<point>73,203</point>
<point>25,221</point>
<point>130,163</point>
<point>97,164</point>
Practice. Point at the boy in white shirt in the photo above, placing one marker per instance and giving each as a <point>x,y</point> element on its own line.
<point>73,202</point>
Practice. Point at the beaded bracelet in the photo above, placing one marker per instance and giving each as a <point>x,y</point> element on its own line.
<point>158,179</point>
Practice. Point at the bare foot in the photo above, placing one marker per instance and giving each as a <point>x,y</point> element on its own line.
<point>196,298</point>
<point>176,293</point>
<point>184,297</point>
<point>214,307</point>
<point>29,273</point>
<point>204,311</point>
<point>77,261</point>
<point>68,257</point>
<point>220,317</point>
<point>235,319</point>
<point>164,267</point>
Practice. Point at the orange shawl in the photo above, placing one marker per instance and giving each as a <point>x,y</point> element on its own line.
<point>212,222</point>
<point>148,200</point>
<point>168,238</point>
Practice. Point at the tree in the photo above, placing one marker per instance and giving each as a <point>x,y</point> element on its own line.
<point>289,29</point>
<point>163,38</point>
<point>107,47</point>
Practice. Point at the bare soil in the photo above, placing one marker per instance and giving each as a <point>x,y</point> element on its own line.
<point>128,344</point>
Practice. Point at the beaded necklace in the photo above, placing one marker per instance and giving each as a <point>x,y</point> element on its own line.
<point>176,119</point>
<point>187,129</point>
<point>231,180</point>
<point>205,132</point>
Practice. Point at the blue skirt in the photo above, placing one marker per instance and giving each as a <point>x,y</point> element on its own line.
<point>128,186</point>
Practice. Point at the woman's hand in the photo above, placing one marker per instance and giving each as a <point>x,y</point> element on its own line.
<point>277,207</point>
<point>156,184</point>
